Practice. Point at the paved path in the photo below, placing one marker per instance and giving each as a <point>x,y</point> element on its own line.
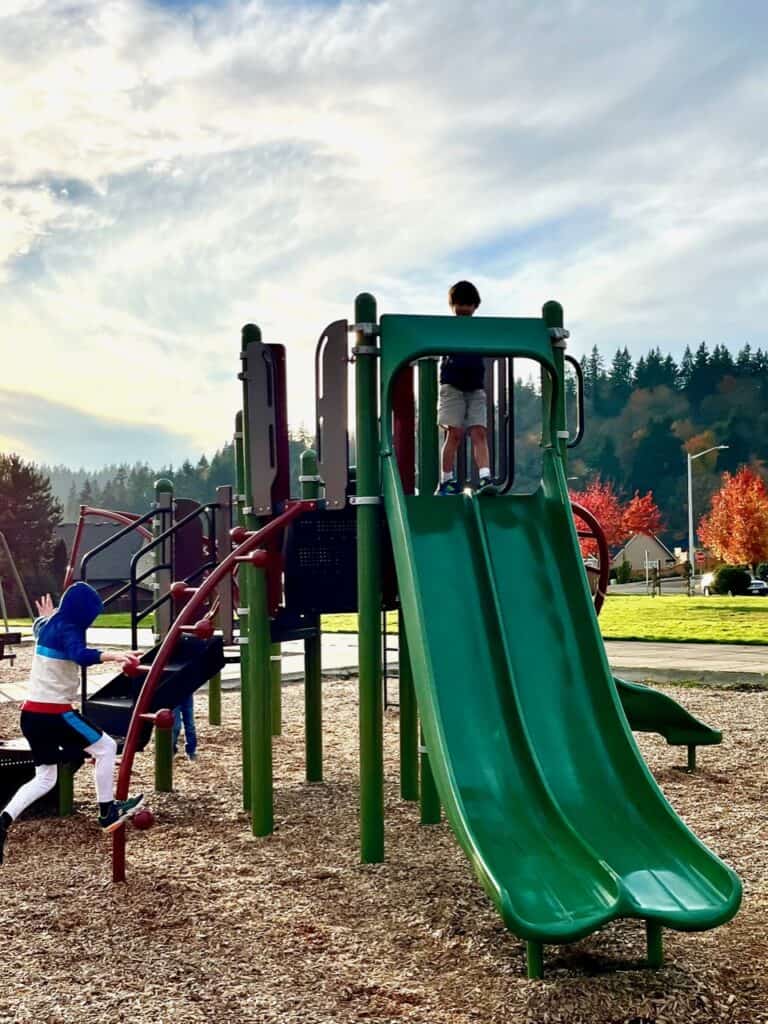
<point>711,664</point>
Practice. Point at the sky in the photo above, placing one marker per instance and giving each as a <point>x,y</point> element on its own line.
<point>171,170</point>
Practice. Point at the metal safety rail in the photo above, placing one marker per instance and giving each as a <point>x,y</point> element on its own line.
<point>246,550</point>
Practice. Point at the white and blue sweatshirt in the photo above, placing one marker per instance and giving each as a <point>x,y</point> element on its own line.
<point>61,650</point>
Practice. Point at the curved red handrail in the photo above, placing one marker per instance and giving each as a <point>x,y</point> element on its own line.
<point>602,547</point>
<point>126,518</point>
<point>185,617</point>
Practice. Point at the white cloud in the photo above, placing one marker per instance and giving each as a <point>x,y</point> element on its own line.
<point>169,175</point>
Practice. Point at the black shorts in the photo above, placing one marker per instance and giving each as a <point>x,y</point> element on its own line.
<point>57,737</point>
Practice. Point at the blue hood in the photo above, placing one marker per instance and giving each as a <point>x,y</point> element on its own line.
<point>80,605</point>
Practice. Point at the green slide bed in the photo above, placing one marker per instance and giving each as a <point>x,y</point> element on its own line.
<point>533,757</point>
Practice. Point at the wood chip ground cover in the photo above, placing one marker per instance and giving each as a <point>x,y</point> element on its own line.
<point>214,925</point>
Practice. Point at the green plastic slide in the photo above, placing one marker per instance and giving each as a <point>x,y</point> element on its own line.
<point>647,710</point>
<point>532,754</point>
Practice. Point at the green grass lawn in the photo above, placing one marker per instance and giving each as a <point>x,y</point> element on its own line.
<point>722,620</point>
<point>115,620</point>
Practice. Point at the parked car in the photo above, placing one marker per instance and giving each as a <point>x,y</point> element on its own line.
<point>757,588</point>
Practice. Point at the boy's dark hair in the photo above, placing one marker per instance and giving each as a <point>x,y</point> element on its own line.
<point>463,293</point>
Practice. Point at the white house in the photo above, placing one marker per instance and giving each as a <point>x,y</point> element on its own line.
<point>644,549</point>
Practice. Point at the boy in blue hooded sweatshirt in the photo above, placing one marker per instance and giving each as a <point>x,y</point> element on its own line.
<point>48,718</point>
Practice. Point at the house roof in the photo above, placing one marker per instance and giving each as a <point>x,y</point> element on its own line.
<point>638,536</point>
<point>113,563</point>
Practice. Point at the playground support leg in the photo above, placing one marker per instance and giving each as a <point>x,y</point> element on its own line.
<point>313,707</point>
<point>66,789</point>
<point>691,758</point>
<point>371,711</point>
<point>245,704</point>
<point>535,959</point>
<point>163,760</point>
<point>214,700</point>
<point>259,685</point>
<point>276,675</point>
<point>654,944</point>
<point>409,723</point>
<point>430,801</point>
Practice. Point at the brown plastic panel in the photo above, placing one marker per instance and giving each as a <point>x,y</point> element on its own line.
<point>262,425</point>
<point>331,405</point>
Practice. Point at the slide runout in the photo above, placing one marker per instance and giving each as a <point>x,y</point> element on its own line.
<point>574,719</point>
<point>648,710</point>
<point>546,882</point>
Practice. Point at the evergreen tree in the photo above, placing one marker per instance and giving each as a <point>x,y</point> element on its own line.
<point>620,379</point>
<point>29,515</point>
<point>686,369</point>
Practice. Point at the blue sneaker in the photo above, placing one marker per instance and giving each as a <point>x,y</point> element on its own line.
<point>448,487</point>
<point>487,488</point>
<point>120,811</point>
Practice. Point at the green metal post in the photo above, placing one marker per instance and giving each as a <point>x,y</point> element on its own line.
<point>552,314</point>
<point>535,957</point>
<point>409,722</point>
<point>654,944</point>
<point>242,613</point>
<point>66,778</point>
<point>214,700</point>
<point>259,683</point>
<point>309,479</point>
<point>691,757</point>
<point>276,676</point>
<point>428,462</point>
<point>371,708</point>
<point>164,759</point>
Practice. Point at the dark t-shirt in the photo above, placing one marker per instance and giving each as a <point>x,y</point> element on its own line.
<point>463,370</point>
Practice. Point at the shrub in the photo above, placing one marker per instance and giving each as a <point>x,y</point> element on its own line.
<point>624,572</point>
<point>731,579</point>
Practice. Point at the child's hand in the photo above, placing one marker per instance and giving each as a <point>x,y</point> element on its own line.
<point>129,662</point>
<point>45,606</point>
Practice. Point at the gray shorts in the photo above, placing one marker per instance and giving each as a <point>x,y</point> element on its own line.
<point>457,408</point>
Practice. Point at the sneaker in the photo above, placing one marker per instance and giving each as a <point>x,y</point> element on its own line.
<point>120,811</point>
<point>191,756</point>
<point>487,488</point>
<point>448,487</point>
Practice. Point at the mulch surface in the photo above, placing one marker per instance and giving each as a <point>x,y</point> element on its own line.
<point>215,925</point>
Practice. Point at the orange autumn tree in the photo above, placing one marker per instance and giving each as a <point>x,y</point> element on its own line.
<point>736,527</point>
<point>602,501</point>
<point>641,515</point>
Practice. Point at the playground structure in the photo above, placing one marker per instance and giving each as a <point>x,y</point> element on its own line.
<point>524,740</point>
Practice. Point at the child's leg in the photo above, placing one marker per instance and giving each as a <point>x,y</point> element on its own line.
<point>103,751</point>
<point>176,728</point>
<point>42,782</point>
<point>190,732</point>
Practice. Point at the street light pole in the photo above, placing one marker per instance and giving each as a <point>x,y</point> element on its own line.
<point>691,544</point>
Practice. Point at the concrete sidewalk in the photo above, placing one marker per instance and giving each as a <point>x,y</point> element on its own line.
<point>717,665</point>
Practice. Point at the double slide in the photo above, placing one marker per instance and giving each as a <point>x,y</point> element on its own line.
<point>533,758</point>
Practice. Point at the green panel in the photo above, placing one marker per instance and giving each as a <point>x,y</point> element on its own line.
<point>647,710</point>
<point>534,761</point>
<point>405,338</point>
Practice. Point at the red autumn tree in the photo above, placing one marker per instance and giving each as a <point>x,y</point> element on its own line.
<point>641,515</point>
<point>601,500</point>
<point>736,527</point>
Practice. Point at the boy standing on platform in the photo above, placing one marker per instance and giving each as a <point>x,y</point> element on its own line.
<point>462,402</point>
